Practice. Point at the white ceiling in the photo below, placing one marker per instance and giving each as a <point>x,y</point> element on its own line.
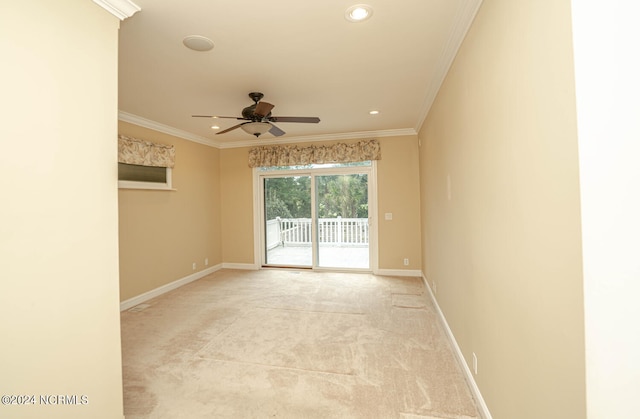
<point>305,57</point>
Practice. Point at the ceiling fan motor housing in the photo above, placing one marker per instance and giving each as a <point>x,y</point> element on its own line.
<point>247,113</point>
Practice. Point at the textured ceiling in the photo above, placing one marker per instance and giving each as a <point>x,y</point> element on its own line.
<point>305,57</point>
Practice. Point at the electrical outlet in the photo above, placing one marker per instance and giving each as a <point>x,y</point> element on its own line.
<point>475,364</point>
<point>406,261</point>
<point>194,266</point>
<point>206,262</point>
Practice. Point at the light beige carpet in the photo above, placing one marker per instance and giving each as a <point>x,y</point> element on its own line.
<point>289,344</point>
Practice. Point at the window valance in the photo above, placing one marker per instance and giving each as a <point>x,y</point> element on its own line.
<point>294,155</point>
<point>145,153</point>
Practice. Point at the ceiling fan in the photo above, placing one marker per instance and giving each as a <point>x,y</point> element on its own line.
<point>259,119</point>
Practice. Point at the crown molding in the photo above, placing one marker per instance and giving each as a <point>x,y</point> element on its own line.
<point>156,126</point>
<point>464,18</point>
<point>147,123</point>
<point>121,9</point>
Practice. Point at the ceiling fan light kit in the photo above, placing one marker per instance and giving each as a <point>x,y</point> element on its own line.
<point>256,128</point>
<point>259,119</point>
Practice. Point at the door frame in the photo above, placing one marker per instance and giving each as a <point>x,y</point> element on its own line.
<point>258,211</point>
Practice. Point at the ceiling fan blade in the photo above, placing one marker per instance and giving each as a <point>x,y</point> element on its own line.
<point>216,116</point>
<point>305,119</point>
<point>275,131</point>
<point>262,109</point>
<point>230,129</point>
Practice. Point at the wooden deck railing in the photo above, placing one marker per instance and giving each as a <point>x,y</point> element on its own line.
<point>331,231</point>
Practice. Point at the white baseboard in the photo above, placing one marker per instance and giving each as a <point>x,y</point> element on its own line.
<point>397,272</point>
<point>245,266</point>
<point>482,406</point>
<point>131,302</point>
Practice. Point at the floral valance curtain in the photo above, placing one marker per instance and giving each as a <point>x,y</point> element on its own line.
<point>294,155</point>
<point>145,153</point>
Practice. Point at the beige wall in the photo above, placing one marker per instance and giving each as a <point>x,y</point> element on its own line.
<point>60,322</point>
<point>237,209</point>
<point>398,193</point>
<point>162,233</point>
<point>501,209</point>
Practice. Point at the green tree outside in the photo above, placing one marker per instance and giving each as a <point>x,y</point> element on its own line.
<point>343,196</point>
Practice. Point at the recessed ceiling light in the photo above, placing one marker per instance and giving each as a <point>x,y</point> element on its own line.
<point>374,112</point>
<point>215,127</point>
<point>198,43</point>
<point>358,13</point>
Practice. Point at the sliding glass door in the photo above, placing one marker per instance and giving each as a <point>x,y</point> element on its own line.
<point>316,218</point>
<point>288,227</point>
<point>342,220</point>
